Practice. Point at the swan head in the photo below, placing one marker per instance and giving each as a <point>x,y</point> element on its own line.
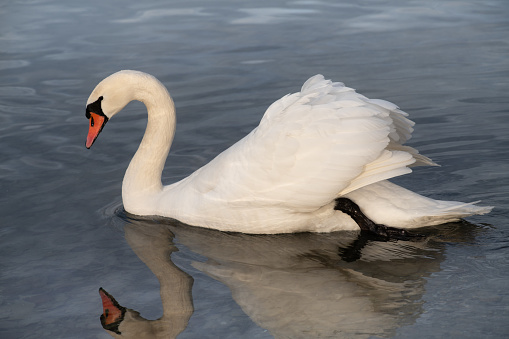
<point>109,97</point>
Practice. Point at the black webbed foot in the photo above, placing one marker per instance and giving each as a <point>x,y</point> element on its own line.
<point>371,230</point>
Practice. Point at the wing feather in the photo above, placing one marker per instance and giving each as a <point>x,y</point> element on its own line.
<point>310,147</point>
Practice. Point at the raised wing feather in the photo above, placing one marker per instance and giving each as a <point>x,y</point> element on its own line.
<point>310,148</point>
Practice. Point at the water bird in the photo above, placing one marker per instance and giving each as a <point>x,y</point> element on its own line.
<point>319,161</point>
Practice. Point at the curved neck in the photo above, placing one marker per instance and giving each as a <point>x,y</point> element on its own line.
<point>142,179</point>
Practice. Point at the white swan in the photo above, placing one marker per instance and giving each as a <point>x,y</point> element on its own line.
<point>309,149</point>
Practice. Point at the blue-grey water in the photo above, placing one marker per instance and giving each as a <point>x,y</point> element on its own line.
<point>63,233</point>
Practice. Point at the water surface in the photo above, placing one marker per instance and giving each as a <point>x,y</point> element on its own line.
<point>63,233</point>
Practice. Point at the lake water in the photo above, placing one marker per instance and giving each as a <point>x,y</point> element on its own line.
<point>64,234</point>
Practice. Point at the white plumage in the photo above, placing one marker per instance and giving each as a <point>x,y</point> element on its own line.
<point>311,147</point>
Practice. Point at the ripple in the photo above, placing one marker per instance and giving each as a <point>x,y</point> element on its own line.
<point>8,91</point>
<point>65,55</point>
<point>158,13</point>
<point>486,100</point>
<point>64,82</point>
<point>260,16</point>
<point>255,62</point>
<point>53,139</point>
<point>404,17</point>
<point>69,149</point>
<point>31,127</point>
<point>9,64</point>
<point>41,163</point>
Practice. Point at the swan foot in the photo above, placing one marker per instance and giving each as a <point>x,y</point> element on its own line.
<point>372,230</point>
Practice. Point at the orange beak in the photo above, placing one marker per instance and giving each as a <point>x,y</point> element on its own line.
<point>113,313</point>
<point>97,123</point>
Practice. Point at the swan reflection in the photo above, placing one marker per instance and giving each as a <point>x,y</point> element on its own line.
<point>153,244</point>
<point>335,285</point>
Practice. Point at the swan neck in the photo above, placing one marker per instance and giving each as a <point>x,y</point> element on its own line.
<point>142,180</point>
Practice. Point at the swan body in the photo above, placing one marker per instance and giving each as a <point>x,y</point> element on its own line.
<point>310,148</point>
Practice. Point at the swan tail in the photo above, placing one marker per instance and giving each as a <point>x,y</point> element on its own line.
<point>393,205</point>
<point>450,211</point>
<point>461,210</point>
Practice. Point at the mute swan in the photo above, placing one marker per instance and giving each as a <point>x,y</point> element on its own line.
<point>318,160</point>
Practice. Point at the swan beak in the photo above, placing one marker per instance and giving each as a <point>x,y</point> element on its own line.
<point>97,123</point>
<point>113,313</point>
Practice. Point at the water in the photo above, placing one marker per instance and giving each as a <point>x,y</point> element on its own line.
<point>63,233</point>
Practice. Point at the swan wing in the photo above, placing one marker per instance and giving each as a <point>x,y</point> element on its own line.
<point>309,148</point>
